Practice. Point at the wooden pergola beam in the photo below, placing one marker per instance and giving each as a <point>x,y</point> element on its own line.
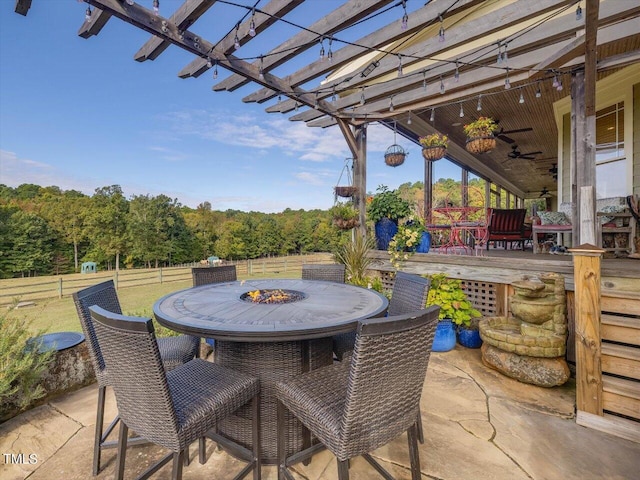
<point>559,58</point>
<point>272,11</point>
<point>22,7</point>
<point>183,17</point>
<point>99,19</point>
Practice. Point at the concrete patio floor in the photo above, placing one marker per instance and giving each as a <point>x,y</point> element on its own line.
<point>478,425</point>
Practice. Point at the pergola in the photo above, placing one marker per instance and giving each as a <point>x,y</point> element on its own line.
<point>432,69</point>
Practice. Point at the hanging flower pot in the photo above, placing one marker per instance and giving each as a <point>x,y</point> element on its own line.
<point>434,146</point>
<point>481,144</point>
<point>346,223</point>
<point>395,155</point>
<point>346,191</point>
<point>345,216</point>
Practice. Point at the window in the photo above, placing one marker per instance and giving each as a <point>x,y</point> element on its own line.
<point>611,163</point>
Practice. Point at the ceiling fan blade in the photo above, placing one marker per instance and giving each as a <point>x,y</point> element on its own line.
<point>504,138</point>
<point>531,153</point>
<point>525,157</point>
<point>517,130</point>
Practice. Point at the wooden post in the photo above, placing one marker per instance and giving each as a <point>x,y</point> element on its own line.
<point>428,191</point>
<point>586,274</point>
<point>160,274</point>
<point>115,279</point>
<point>587,220</point>
<point>360,176</point>
<point>60,287</point>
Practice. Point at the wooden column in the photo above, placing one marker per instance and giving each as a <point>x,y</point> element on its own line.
<point>428,191</point>
<point>586,274</point>
<point>360,175</point>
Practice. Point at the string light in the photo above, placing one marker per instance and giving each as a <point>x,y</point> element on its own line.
<point>479,107</point>
<point>333,95</point>
<point>164,27</point>
<point>409,122</point>
<point>297,106</point>
<point>461,110</point>
<point>505,55</point>
<point>156,7</point>
<point>196,43</point>
<point>252,25</point>
<point>441,31</point>
<point>433,115</point>
<point>559,87</point>
<point>321,48</point>
<point>87,14</point>
<point>315,101</point>
<point>130,2</point>
<point>209,62</point>
<point>261,71</point>
<point>215,70</point>
<point>456,76</point>
<point>538,93</point>
<point>499,59</point>
<point>362,99</point>
<point>236,40</point>
<point>391,107</point>
<point>424,81</point>
<point>329,52</point>
<point>521,98</point>
<point>507,83</point>
<point>399,65</point>
<point>442,88</point>
<point>578,13</point>
<point>405,17</point>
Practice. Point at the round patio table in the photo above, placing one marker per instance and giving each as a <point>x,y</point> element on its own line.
<point>271,341</point>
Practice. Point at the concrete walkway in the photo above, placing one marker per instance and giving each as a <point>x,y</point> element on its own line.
<point>478,425</point>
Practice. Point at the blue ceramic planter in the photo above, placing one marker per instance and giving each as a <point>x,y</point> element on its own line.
<point>469,338</point>
<point>385,230</point>
<point>425,243</point>
<point>445,337</point>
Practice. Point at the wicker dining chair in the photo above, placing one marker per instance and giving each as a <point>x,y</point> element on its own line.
<point>174,351</point>
<point>207,275</point>
<point>170,408</point>
<point>356,406</point>
<point>330,272</point>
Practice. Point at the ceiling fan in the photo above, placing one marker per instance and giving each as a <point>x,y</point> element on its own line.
<point>554,171</point>
<point>544,192</point>
<point>515,153</point>
<point>502,133</point>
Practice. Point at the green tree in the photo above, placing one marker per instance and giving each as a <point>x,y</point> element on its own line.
<point>107,222</point>
<point>33,244</point>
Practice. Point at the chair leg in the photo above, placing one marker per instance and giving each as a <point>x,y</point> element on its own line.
<point>202,443</point>
<point>178,461</point>
<point>414,454</point>
<point>98,434</point>
<point>419,427</point>
<point>122,450</point>
<point>255,437</point>
<point>187,460</point>
<point>343,469</point>
<point>282,454</point>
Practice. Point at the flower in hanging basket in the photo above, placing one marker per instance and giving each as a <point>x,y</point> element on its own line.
<point>345,216</point>
<point>434,146</point>
<point>480,137</point>
<point>395,155</point>
<point>346,191</point>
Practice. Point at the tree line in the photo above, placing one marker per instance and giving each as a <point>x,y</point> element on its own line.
<point>45,230</point>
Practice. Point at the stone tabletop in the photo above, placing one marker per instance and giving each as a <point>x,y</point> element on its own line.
<point>219,311</point>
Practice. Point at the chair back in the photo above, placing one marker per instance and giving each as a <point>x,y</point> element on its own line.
<point>506,221</point>
<point>104,295</point>
<point>138,378</point>
<point>387,372</point>
<point>409,293</point>
<point>329,272</point>
<point>207,275</point>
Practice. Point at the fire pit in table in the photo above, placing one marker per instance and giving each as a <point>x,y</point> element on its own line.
<point>272,296</point>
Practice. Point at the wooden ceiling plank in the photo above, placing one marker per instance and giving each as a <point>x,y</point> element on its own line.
<point>349,137</point>
<point>183,17</point>
<point>343,16</point>
<point>273,10</point>
<point>377,39</point>
<point>99,19</point>
<point>323,122</point>
<point>22,7</point>
<point>146,20</point>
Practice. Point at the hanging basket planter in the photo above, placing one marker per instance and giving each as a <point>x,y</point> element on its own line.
<point>345,191</point>
<point>395,155</point>
<point>481,144</point>
<point>346,224</point>
<point>432,154</point>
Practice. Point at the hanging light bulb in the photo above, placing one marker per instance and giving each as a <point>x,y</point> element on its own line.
<point>329,52</point>
<point>499,59</point>
<point>521,98</point>
<point>424,81</point>
<point>441,31</point>
<point>252,25</point>
<point>538,93</point>
<point>297,106</point>
<point>559,87</point>
<point>130,2</point>
<point>164,27</point>
<point>209,62</point>
<point>87,14</point>
<point>461,111</point>
<point>405,17</point>
<point>279,99</point>
<point>507,83</point>
<point>433,115</point>
<point>505,55</point>
<point>261,71</point>
<point>456,76</point>
<point>156,7</point>
<point>333,94</point>
<point>409,122</point>
<point>236,40</point>
<point>362,99</point>
<point>391,107</point>
<point>479,107</point>
<point>555,83</point>
<point>322,49</point>
<point>399,65</point>
<point>578,13</point>
<point>442,89</point>
<point>215,70</point>
<point>316,104</point>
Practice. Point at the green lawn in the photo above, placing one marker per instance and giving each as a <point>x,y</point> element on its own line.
<point>59,315</point>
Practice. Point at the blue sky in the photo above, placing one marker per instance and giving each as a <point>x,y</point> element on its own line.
<point>82,114</point>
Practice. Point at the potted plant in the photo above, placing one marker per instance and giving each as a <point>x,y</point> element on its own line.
<point>455,309</point>
<point>479,134</point>
<point>353,254</point>
<point>385,209</point>
<point>409,239</point>
<point>345,216</point>
<point>434,146</point>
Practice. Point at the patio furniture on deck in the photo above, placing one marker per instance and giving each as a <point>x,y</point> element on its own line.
<point>357,406</point>
<point>207,275</point>
<point>332,272</point>
<point>507,225</point>
<point>173,350</point>
<point>171,409</point>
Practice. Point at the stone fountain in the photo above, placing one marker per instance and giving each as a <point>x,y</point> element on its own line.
<point>530,345</point>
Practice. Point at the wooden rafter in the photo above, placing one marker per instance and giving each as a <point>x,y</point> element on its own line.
<point>99,19</point>
<point>22,7</point>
